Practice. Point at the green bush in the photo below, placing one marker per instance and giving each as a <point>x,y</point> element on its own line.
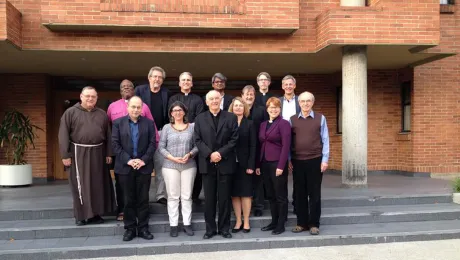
<point>456,185</point>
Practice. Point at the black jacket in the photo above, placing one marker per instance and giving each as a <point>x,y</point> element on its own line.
<point>122,144</point>
<point>143,91</point>
<point>208,139</point>
<point>193,102</point>
<point>246,145</point>
<point>259,99</point>
<point>258,114</point>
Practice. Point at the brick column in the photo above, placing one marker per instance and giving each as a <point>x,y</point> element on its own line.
<point>354,111</point>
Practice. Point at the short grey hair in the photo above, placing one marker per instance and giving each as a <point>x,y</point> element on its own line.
<point>211,92</point>
<point>157,68</point>
<point>88,88</point>
<point>287,77</point>
<point>248,88</point>
<point>264,74</point>
<point>219,76</point>
<point>130,83</point>
<point>308,94</point>
<point>186,73</point>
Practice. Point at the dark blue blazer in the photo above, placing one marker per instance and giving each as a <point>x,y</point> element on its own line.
<point>143,91</point>
<point>297,106</point>
<point>122,144</point>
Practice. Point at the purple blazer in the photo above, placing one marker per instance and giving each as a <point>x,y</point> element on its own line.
<point>275,143</point>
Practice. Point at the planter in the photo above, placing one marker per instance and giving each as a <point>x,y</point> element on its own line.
<point>15,175</point>
<point>456,197</point>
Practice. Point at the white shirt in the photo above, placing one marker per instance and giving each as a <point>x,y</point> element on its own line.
<point>288,108</point>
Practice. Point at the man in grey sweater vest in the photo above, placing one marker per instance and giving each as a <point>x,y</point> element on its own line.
<point>310,155</point>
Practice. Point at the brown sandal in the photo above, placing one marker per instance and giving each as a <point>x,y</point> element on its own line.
<point>314,231</point>
<point>120,217</point>
<point>298,229</point>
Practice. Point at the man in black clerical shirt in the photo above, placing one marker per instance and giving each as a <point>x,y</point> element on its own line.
<point>195,106</point>
<point>263,81</point>
<point>156,99</point>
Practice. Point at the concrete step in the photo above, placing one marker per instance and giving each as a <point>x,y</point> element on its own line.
<point>155,208</point>
<point>159,223</point>
<point>113,246</point>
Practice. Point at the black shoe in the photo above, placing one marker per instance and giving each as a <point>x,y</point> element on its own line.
<point>258,213</point>
<point>197,201</point>
<point>225,234</point>
<point>188,230</point>
<point>129,235</point>
<point>162,201</point>
<point>246,230</point>
<point>236,230</point>
<point>145,234</point>
<point>174,231</point>
<point>269,227</point>
<point>278,231</point>
<point>80,222</point>
<point>209,235</point>
<point>96,220</point>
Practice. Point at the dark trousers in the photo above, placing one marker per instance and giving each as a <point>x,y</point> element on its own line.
<point>119,195</point>
<point>307,183</point>
<point>277,192</point>
<point>135,188</point>
<point>198,183</point>
<point>217,189</point>
<point>258,193</point>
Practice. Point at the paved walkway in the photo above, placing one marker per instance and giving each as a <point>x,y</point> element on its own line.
<point>57,195</point>
<point>442,250</point>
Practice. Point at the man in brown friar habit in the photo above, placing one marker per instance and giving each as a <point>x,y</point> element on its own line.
<point>85,147</point>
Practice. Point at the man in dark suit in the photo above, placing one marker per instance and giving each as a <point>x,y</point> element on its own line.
<point>134,141</point>
<point>218,84</point>
<point>156,99</point>
<point>257,114</point>
<point>263,81</point>
<point>289,107</point>
<point>216,135</point>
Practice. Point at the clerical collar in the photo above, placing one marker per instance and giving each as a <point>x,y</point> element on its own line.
<point>126,101</point>
<point>218,113</point>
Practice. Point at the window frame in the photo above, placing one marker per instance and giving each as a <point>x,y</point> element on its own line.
<point>406,87</point>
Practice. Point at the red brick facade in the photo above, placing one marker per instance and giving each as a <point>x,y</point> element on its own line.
<point>433,145</point>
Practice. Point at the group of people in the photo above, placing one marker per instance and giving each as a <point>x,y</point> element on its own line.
<point>240,150</point>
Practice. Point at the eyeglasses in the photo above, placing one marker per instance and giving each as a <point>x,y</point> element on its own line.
<point>264,80</point>
<point>177,110</point>
<point>219,82</point>
<point>89,96</point>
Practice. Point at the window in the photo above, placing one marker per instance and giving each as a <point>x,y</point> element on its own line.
<point>405,106</point>
<point>339,110</point>
<point>447,2</point>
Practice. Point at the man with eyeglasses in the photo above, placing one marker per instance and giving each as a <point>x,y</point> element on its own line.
<point>195,106</point>
<point>263,81</point>
<point>218,84</point>
<point>119,109</point>
<point>85,146</point>
<point>156,99</point>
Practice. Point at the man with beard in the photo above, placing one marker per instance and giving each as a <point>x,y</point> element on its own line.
<point>195,106</point>
<point>119,109</point>
<point>263,81</point>
<point>156,99</point>
<point>216,135</point>
<point>257,114</point>
<point>85,147</point>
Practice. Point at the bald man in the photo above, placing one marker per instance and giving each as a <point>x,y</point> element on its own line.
<point>134,143</point>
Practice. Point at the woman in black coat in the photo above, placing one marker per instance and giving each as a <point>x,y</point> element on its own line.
<point>242,189</point>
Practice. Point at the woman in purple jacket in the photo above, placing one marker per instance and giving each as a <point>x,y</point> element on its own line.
<point>275,143</point>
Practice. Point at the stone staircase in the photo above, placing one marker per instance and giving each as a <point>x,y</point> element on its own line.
<point>52,234</point>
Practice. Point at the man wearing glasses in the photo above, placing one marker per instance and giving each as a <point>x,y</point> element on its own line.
<point>218,84</point>
<point>156,99</point>
<point>263,81</point>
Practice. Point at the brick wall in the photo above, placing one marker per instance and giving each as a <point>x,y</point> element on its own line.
<point>28,94</point>
<point>397,17</point>
<point>13,25</point>
<point>2,20</point>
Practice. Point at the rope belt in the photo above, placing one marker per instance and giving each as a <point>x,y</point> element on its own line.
<point>76,165</point>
